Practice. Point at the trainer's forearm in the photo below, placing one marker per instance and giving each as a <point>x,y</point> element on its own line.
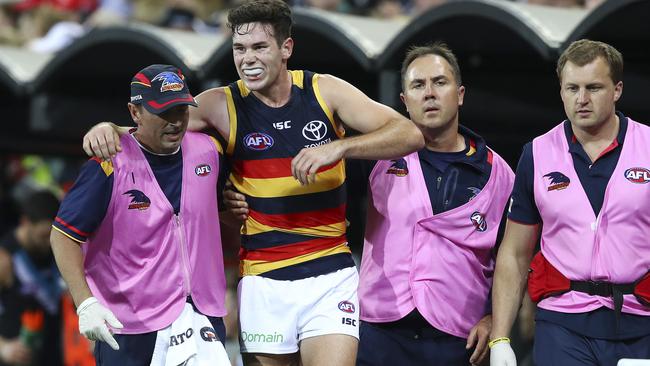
<point>511,273</point>
<point>69,259</point>
<point>395,139</point>
<point>507,292</point>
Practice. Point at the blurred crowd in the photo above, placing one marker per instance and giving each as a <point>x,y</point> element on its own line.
<point>38,321</point>
<point>50,25</point>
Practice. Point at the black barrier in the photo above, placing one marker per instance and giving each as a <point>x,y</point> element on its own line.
<point>17,68</point>
<point>89,81</point>
<point>506,54</point>
<point>9,86</point>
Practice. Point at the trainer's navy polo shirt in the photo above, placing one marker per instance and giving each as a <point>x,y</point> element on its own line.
<point>593,176</point>
<point>86,204</point>
<point>452,178</point>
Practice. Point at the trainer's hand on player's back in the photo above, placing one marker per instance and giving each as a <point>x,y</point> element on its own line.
<point>102,141</point>
<point>235,202</point>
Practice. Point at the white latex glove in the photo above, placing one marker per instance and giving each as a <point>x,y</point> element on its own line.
<point>501,354</point>
<point>93,317</point>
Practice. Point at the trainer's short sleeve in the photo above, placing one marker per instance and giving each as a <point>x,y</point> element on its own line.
<point>85,205</point>
<point>522,207</point>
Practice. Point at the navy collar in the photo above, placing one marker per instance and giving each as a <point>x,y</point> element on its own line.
<point>478,159</point>
<point>576,148</point>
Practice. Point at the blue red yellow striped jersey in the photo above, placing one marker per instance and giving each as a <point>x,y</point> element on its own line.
<point>293,231</point>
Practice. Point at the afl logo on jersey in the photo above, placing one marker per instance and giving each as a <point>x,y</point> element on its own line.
<point>638,175</point>
<point>258,141</point>
<point>315,130</point>
<point>202,170</point>
<point>346,307</point>
<point>478,220</point>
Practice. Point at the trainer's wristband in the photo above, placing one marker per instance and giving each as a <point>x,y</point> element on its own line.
<point>498,340</point>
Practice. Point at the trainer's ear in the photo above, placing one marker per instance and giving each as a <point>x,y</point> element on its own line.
<point>136,112</point>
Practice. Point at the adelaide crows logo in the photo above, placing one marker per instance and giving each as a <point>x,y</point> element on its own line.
<point>170,81</point>
<point>139,201</point>
<point>399,168</point>
<point>558,181</point>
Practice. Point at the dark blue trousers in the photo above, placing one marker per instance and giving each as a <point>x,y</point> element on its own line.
<point>137,349</point>
<point>558,346</point>
<point>381,346</point>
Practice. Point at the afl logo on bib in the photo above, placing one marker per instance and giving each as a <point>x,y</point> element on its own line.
<point>202,170</point>
<point>478,220</point>
<point>638,175</point>
<point>258,141</point>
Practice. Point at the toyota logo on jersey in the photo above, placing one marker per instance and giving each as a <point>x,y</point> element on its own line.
<point>314,130</point>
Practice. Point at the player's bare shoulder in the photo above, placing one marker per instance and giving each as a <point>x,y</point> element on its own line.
<point>335,91</point>
<point>330,85</point>
<point>212,111</point>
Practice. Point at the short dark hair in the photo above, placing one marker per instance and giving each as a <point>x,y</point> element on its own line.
<point>273,12</point>
<point>585,51</point>
<point>39,206</point>
<point>437,48</point>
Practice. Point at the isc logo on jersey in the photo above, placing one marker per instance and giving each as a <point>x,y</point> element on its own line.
<point>258,141</point>
<point>638,175</point>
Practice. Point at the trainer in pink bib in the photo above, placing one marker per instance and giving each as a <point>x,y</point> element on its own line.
<point>442,264</point>
<point>613,246</point>
<point>143,261</point>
